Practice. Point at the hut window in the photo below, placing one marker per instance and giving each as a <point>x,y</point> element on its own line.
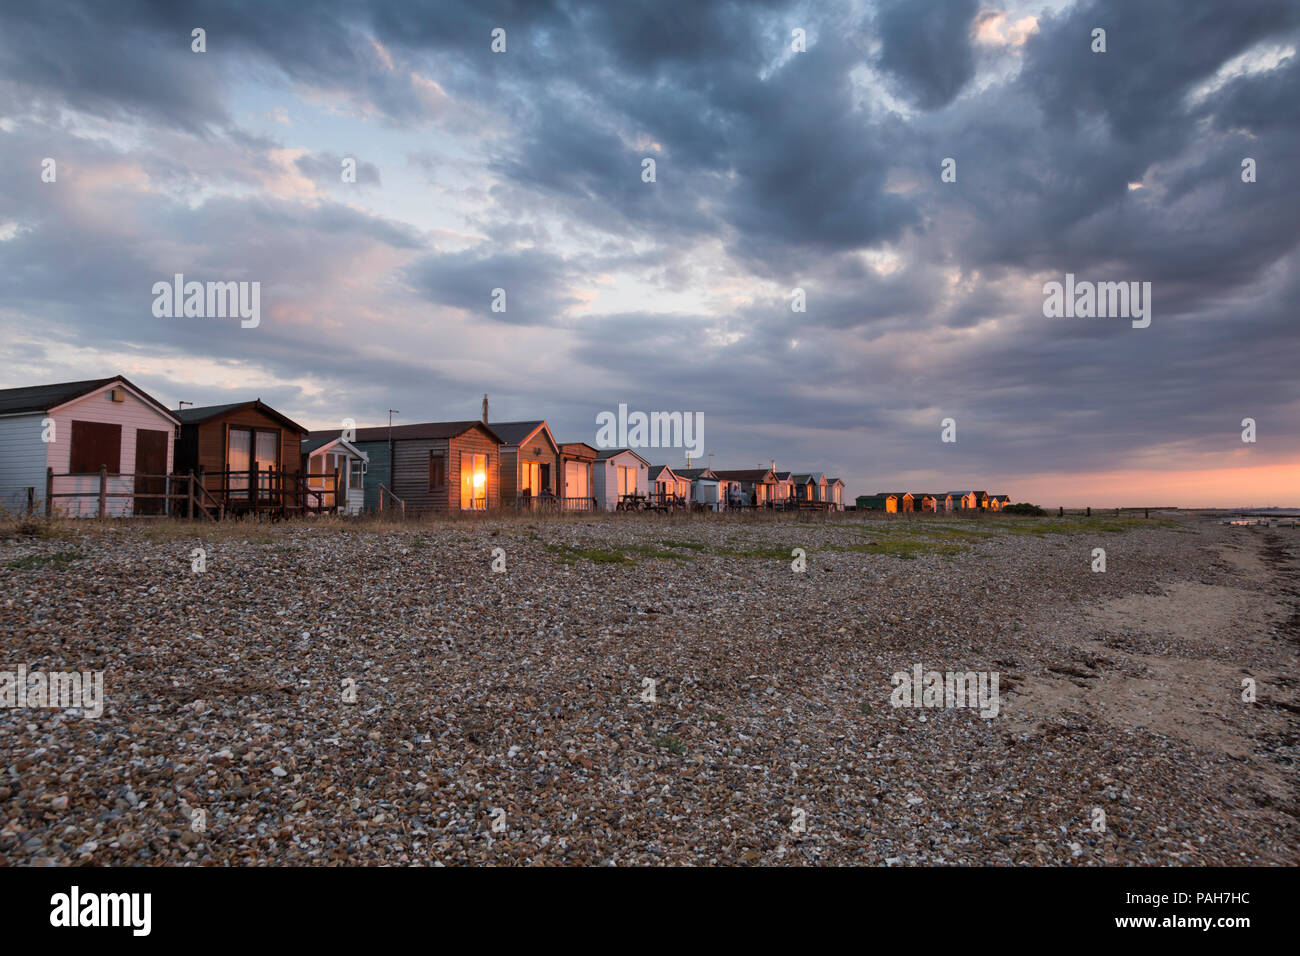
<point>473,481</point>
<point>95,444</point>
<point>530,478</point>
<point>239,452</point>
<point>626,480</point>
<point>356,472</point>
<point>268,450</point>
<point>248,446</point>
<point>437,470</point>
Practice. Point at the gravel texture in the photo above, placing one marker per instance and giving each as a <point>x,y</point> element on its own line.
<point>771,739</point>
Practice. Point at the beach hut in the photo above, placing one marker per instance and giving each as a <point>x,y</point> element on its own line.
<point>576,462</point>
<point>871,502</point>
<point>757,485</point>
<point>75,429</point>
<point>621,477</point>
<point>998,502</point>
<point>981,499</point>
<point>324,455</point>
<point>703,487</point>
<point>964,500</point>
<point>665,486</point>
<point>250,454</point>
<point>835,493</point>
<point>813,485</point>
<point>784,492</point>
<point>893,501</point>
<point>529,462</point>
<point>922,501</point>
<point>449,467</point>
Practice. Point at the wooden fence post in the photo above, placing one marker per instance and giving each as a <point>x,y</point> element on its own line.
<point>252,487</point>
<point>49,492</point>
<point>31,500</point>
<point>189,508</point>
<point>336,489</point>
<point>103,489</point>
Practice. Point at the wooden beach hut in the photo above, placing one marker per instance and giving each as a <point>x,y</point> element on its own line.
<point>529,462</point>
<point>449,467</point>
<point>77,429</point>
<point>250,455</point>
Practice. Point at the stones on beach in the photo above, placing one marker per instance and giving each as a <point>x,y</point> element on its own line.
<point>521,692</point>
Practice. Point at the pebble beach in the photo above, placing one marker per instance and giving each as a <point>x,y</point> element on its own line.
<point>645,690</point>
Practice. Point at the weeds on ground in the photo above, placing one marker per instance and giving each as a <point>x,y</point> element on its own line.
<point>34,562</point>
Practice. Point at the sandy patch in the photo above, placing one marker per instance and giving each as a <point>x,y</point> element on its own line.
<point>1191,691</point>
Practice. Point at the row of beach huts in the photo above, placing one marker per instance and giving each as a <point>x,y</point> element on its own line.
<point>893,502</point>
<point>107,448</point>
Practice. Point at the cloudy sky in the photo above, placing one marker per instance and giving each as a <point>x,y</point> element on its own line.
<point>774,170</point>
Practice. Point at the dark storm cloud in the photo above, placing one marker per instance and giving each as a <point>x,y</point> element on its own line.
<point>533,282</point>
<point>926,45</point>
<point>788,162</point>
<point>1155,52</point>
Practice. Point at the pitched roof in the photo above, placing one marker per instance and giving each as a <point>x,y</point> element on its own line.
<point>867,500</point>
<point>318,441</point>
<point>745,474</point>
<point>196,416</point>
<point>657,470</point>
<point>607,453</point>
<point>516,433</point>
<point>41,398</point>
<point>814,477</point>
<point>694,473</point>
<point>572,448</point>
<point>424,430</point>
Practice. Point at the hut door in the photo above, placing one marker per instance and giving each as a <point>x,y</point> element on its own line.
<point>575,480</point>
<point>150,462</point>
<point>266,451</point>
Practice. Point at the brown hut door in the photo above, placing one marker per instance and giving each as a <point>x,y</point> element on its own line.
<point>150,467</point>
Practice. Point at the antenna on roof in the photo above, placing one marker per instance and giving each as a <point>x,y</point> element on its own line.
<point>485,408</point>
<point>180,405</point>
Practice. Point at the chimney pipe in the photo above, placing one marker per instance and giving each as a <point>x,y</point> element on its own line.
<point>485,408</point>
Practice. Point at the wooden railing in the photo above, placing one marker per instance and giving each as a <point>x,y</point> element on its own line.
<point>544,504</point>
<point>184,495</point>
<point>396,501</point>
<point>256,490</point>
